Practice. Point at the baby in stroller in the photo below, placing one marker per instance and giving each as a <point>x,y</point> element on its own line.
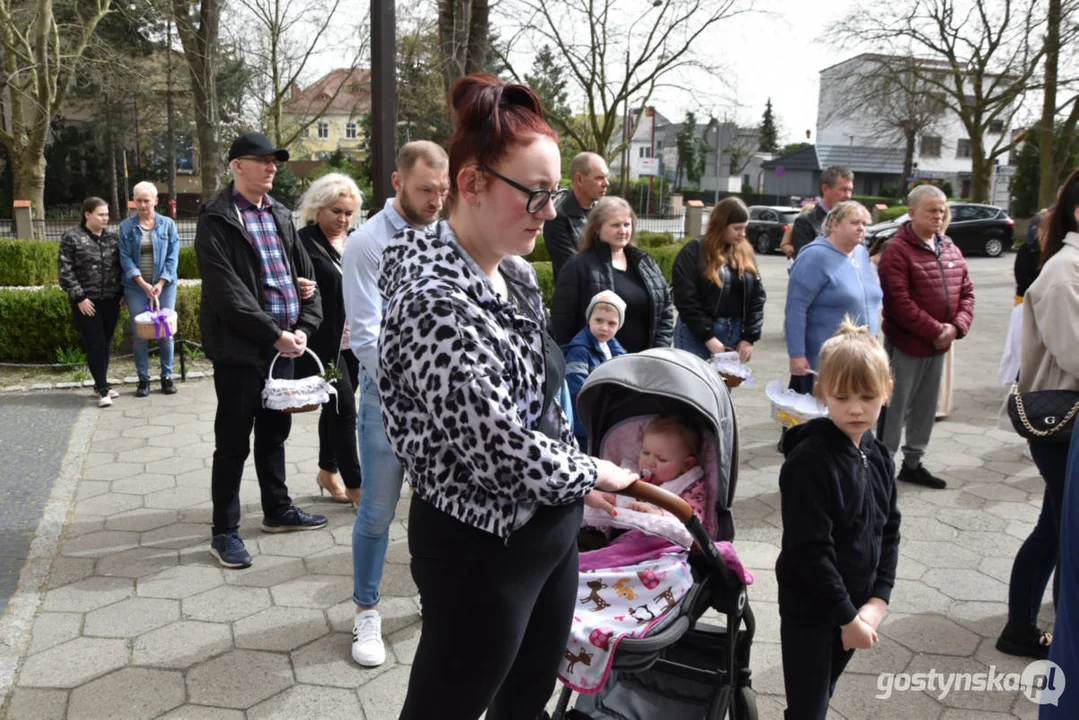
<point>636,645</point>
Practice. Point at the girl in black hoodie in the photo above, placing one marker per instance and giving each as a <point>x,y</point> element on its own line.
<point>837,565</point>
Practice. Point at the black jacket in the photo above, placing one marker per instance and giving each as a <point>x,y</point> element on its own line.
<point>1027,260</point>
<point>561,233</point>
<point>89,267</point>
<point>807,227</point>
<point>589,272</point>
<point>236,330</point>
<point>840,524</point>
<point>326,342</point>
<point>698,298</point>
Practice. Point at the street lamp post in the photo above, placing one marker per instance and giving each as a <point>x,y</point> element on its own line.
<point>383,100</point>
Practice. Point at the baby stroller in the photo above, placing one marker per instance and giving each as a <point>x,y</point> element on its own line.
<point>680,667</point>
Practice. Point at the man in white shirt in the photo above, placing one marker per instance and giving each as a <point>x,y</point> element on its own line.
<point>421,183</point>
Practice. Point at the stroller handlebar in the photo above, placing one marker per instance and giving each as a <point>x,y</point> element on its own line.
<point>661,498</point>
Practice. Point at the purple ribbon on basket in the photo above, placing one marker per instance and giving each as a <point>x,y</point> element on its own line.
<point>161,324</point>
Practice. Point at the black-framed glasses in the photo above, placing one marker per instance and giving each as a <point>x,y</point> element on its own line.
<point>537,199</point>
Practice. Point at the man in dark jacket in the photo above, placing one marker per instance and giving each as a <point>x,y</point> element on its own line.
<point>250,259</point>
<point>836,185</point>
<point>589,176</point>
<point>928,305</point>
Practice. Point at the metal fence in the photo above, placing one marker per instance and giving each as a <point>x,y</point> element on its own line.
<point>673,224</point>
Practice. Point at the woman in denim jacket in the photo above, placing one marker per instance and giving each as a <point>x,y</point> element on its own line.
<point>149,252</point>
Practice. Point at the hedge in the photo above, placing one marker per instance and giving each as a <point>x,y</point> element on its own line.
<point>34,324</point>
<point>645,240</point>
<point>28,262</point>
<point>893,213</point>
<point>34,262</point>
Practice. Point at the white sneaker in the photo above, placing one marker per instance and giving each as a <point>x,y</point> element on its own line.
<point>113,393</point>
<point>104,401</point>
<point>367,647</point>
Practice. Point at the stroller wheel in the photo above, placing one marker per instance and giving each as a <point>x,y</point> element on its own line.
<point>744,706</point>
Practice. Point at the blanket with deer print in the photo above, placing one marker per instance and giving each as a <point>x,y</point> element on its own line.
<point>615,603</point>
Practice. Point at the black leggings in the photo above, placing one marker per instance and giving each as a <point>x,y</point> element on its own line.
<point>813,659</point>
<point>337,449</point>
<point>496,616</point>
<point>97,331</point>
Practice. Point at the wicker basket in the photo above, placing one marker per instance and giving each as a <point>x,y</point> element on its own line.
<point>296,395</point>
<point>732,381</point>
<point>155,323</point>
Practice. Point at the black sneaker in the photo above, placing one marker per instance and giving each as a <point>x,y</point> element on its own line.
<point>167,387</point>
<point>921,476</point>
<point>293,519</point>
<point>143,389</point>
<point>1031,642</point>
<point>229,550</point>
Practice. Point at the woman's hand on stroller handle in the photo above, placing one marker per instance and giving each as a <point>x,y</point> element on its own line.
<point>612,478</point>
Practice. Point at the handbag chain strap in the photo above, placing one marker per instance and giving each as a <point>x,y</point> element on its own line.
<point>1026,423</point>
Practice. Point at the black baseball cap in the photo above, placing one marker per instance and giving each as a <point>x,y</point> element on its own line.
<point>256,145</point>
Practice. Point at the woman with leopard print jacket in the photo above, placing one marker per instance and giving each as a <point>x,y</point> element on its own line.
<point>467,373</point>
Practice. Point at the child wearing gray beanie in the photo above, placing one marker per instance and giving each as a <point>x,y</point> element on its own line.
<point>593,345</point>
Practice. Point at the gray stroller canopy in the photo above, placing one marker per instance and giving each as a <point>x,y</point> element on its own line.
<point>662,381</point>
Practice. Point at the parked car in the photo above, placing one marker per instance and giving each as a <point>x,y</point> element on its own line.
<point>975,229</point>
<point>767,224</point>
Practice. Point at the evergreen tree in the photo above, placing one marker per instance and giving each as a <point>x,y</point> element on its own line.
<point>687,148</point>
<point>768,133</point>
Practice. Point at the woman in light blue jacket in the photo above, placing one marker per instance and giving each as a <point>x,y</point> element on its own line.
<point>832,278</point>
<point>149,253</point>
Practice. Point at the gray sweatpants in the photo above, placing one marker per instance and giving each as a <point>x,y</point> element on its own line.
<point>913,404</point>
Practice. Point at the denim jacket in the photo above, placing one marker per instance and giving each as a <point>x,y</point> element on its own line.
<point>166,244</point>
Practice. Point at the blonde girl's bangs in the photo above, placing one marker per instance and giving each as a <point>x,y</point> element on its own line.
<point>852,362</point>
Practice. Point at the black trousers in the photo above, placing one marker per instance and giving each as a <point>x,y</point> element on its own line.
<point>239,408</point>
<point>496,615</point>
<point>813,659</point>
<point>337,448</point>
<point>97,331</point>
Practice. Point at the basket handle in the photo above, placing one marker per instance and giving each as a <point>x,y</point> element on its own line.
<point>154,305</point>
<point>321,370</point>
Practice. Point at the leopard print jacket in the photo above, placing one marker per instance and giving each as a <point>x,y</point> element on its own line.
<point>461,376</point>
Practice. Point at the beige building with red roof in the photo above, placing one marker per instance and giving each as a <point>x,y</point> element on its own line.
<point>339,100</point>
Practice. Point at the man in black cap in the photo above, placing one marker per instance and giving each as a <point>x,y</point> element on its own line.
<point>250,259</point>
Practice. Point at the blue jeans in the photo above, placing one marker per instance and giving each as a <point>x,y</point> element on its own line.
<point>727,330</point>
<point>137,302</point>
<point>382,477</point>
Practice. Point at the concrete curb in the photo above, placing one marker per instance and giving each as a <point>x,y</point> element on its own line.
<point>87,383</point>
<point>16,624</point>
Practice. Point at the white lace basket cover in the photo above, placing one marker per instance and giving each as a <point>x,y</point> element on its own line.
<point>790,408</point>
<point>733,370</point>
<point>297,395</point>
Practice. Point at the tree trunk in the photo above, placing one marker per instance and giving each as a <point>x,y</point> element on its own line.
<point>908,163</point>
<point>980,171</point>
<point>114,186</point>
<point>477,37</point>
<point>200,50</point>
<point>28,172</point>
<point>452,39</point>
<point>1047,177</point>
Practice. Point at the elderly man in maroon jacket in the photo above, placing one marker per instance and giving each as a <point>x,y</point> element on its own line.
<point>928,305</point>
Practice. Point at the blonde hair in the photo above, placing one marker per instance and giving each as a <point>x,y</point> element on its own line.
<point>717,253</point>
<point>324,192</point>
<point>853,362</point>
<point>601,213</point>
<point>144,186</point>
<point>687,432</point>
<point>841,212</point>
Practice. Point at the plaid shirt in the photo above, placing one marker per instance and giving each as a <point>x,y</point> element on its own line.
<point>279,296</point>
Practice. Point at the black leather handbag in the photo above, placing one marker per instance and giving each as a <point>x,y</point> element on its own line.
<point>1047,415</point>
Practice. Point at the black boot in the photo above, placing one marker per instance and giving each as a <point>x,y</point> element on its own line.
<point>144,388</point>
<point>167,387</point>
<point>921,476</point>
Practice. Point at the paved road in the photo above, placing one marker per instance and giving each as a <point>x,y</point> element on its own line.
<point>136,620</point>
<point>34,432</point>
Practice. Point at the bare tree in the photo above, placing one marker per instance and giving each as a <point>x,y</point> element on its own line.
<point>40,56</point>
<point>889,95</point>
<point>1061,31</point>
<point>612,58</point>
<point>980,57</point>
<point>198,24</point>
<point>286,37</point>
<point>462,36</point>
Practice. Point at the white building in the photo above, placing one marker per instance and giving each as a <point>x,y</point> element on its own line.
<point>858,139</point>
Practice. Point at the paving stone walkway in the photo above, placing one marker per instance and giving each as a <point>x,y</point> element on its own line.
<point>124,614</point>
